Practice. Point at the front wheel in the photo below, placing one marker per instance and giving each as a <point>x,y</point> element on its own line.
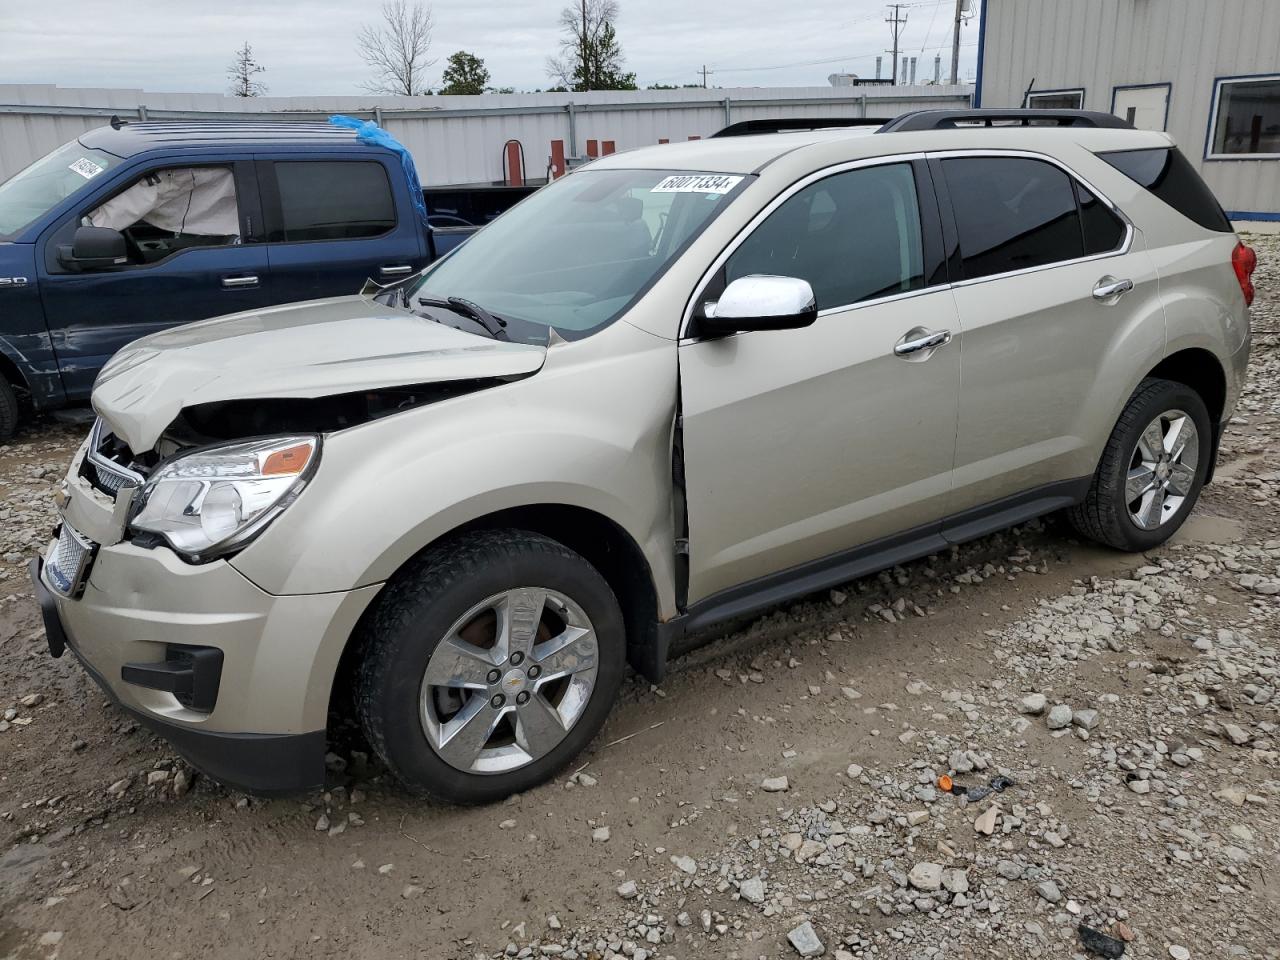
<point>8,410</point>
<point>1151,471</point>
<point>488,664</point>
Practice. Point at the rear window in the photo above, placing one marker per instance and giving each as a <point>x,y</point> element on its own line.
<point>1167,173</point>
<point>334,200</point>
<point>1012,214</point>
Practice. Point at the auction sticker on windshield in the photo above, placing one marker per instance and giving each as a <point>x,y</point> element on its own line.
<point>697,183</point>
<point>86,168</point>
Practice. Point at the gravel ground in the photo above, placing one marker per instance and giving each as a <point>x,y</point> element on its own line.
<point>1113,717</point>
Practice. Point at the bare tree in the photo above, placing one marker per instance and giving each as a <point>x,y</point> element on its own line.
<point>241,72</point>
<point>397,48</point>
<point>590,55</point>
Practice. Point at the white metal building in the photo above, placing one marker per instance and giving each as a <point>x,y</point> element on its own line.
<point>1205,71</point>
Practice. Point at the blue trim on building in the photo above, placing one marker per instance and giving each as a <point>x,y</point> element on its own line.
<point>1168,100</point>
<point>982,49</point>
<point>1253,215</point>
<point>1213,112</point>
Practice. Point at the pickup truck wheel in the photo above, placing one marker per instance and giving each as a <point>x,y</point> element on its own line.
<point>8,410</point>
<point>1152,469</point>
<point>488,664</point>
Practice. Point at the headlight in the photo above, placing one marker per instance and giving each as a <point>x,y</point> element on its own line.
<point>213,500</point>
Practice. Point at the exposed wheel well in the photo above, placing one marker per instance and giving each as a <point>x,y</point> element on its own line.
<point>9,371</point>
<point>1202,372</point>
<point>599,540</point>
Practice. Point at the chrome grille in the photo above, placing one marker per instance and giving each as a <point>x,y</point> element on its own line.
<point>103,472</point>
<point>68,561</point>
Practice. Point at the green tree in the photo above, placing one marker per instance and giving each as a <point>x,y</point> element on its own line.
<point>590,55</point>
<point>464,74</point>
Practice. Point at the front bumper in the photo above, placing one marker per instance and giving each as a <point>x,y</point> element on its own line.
<point>264,727</point>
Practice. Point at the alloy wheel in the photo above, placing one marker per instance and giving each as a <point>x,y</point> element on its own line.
<point>509,680</point>
<point>1162,470</point>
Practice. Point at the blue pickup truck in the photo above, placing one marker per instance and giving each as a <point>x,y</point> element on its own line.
<point>134,227</point>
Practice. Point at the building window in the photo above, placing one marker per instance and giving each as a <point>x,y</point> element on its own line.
<point>1246,118</point>
<point>1056,100</point>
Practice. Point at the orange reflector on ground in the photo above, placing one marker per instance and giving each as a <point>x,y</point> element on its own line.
<point>944,783</point>
<point>288,461</point>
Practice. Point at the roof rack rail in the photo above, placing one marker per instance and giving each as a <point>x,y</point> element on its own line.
<point>745,128</point>
<point>950,119</point>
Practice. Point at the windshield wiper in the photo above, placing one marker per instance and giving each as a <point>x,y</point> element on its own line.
<point>492,324</point>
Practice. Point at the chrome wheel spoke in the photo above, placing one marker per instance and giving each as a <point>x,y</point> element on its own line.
<point>466,733</point>
<point>522,611</point>
<point>1180,430</point>
<point>1151,443</point>
<point>572,651</point>
<point>458,664</point>
<point>1151,510</point>
<point>1140,480</point>
<point>538,726</point>
<point>1181,477</point>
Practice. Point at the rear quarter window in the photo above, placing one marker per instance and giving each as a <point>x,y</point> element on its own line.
<point>333,200</point>
<point>1165,172</point>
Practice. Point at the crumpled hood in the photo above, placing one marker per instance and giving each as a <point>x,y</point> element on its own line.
<point>313,349</point>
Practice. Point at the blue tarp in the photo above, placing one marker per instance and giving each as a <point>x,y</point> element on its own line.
<point>369,132</point>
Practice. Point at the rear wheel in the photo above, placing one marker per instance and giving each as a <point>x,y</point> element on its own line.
<point>488,665</point>
<point>1151,471</point>
<point>8,410</point>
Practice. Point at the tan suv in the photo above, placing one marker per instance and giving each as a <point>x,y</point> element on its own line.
<point>678,386</point>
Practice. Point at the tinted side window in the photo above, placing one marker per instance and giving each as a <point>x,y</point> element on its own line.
<point>1103,230</point>
<point>854,236</point>
<point>1169,175</point>
<point>334,200</point>
<point>1012,213</point>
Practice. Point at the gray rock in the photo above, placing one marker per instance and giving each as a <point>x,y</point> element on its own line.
<point>926,876</point>
<point>775,784</point>
<point>804,940</point>
<point>1088,719</point>
<point>955,881</point>
<point>1033,704</point>
<point>1049,891</point>
<point>685,864</point>
<point>627,890</point>
<point>1059,717</point>
<point>752,890</point>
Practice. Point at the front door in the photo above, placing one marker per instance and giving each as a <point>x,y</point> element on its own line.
<point>802,444</point>
<point>189,234</point>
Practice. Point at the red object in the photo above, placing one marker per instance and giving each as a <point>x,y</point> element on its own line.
<point>663,140</point>
<point>695,138</point>
<point>515,163</point>
<point>1244,261</point>
<point>593,149</point>
<point>607,148</point>
<point>557,159</point>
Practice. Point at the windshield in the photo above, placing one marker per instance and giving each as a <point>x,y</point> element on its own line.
<point>27,196</point>
<point>574,255</point>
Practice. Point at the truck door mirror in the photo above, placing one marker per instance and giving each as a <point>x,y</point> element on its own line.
<point>94,248</point>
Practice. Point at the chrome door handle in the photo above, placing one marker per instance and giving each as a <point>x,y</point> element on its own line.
<point>399,270</point>
<point>1109,287</point>
<point>231,283</point>
<point>928,341</point>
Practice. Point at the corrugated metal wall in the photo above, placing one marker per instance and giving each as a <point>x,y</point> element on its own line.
<point>1102,44</point>
<point>460,139</point>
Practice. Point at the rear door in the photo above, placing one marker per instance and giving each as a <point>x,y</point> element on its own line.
<point>334,222</point>
<point>190,230</point>
<point>802,444</point>
<point>1055,286</point>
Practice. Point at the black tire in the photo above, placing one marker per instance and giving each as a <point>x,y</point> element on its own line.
<point>1104,514</point>
<point>411,619</point>
<point>8,410</point>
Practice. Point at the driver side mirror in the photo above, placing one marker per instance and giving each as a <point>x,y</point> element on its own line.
<point>761,302</point>
<point>94,248</point>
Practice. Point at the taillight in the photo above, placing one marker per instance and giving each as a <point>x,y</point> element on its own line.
<point>1243,262</point>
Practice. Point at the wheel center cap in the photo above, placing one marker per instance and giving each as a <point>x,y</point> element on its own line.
<point>1162,471</point>
<point>513,682</point>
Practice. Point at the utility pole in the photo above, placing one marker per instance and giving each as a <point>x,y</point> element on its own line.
<point>704,72</point>
<point>896,23</point>
<point>955,43</point>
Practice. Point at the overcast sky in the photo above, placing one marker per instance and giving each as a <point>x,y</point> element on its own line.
<point>308,47</point>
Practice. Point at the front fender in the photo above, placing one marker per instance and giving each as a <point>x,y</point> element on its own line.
<point>592,429</point>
